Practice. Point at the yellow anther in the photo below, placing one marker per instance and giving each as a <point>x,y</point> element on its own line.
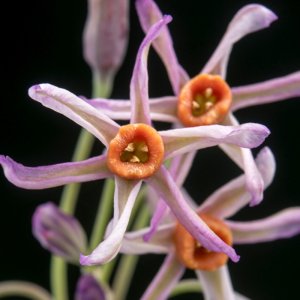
<point>208,92</point>
<point>130,147</point>
<point>195,105</point>
<point>134,159</point>
<point>144,148</point>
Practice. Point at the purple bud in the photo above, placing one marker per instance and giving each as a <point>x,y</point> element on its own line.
<point>88,288</point>
<point>58,232</point>
<point>105,36</point>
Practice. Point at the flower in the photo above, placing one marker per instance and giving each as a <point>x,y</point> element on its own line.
<point>205,99</point>
<point>136,135</point>
<point>211,267</point>
<point>58,232</point>
<point>105,36</point>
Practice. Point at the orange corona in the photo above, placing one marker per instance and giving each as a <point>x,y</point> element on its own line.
<point>192,254</point>
<point>136,152</point>
<point>204,100</point>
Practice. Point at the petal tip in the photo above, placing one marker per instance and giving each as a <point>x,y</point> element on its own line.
<point>84,260</point>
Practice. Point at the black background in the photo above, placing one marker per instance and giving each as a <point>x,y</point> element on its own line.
<point>41,42</point>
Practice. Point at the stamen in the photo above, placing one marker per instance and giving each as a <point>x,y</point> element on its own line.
<point>136,152</point>
<point>192,254</point>
<point>204,100</point>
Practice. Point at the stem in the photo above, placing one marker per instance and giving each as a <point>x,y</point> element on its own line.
<point>83,148</point>
<point>186,286</point>
<point>128,263</point>
<point>24,289</point>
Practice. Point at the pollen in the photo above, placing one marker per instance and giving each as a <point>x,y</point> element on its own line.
<point>204,100</point>
<point>136,152</point>
<point>192,254</point>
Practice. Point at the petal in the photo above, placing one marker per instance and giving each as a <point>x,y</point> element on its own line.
<point>216,284</point>
<point>167,277</point>
<point>76,109</point>
<point>179,141</point>
<point>162,109</point>
<point>231,197</point>
<point>124,199</point>
<point>283,224</point>
<point>161,242</point>
<point>149,13</point>
<point>269,91</point>
<point>54,175</point>
<point>164,185</point>
<point>250,18</point>
<point>139,82</point>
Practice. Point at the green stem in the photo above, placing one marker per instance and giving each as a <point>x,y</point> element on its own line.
<point>186,286</point>
<point>24,289</point>
<point>128,263</point>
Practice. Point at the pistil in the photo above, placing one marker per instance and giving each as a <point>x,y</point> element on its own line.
<point>204,100</point>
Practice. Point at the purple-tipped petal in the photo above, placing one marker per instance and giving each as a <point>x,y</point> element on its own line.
<point>54,175</point>
<point>88,288</point>
<point>269,91</point>
<point>284,224</point>
<point>139,82</point>
<point>58,232</point>
<point>161,242</point>
<point>179,141</point>
<point>250,18</point>
<point>165,280</point>
<point>216,284</point>
<point>231,197</point>
<point>76,109</point>
<point>124,199</point>
<point>169,191</point>
<point>149,13</point>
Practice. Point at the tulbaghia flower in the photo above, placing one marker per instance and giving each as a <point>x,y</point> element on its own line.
<point>185,252</point>
<point>88,288</point>
<point>207,98</point>
<point>135,152</point>
<point>58,232</point>
<point>105,36</point>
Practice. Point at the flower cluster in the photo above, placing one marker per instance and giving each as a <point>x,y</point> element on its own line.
<point>193,236</point>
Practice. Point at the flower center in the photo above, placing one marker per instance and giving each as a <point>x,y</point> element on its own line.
<point>204,100</point>
<point>136,152</point>
<point>191,253</point>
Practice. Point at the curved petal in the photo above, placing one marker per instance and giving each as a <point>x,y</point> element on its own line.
<point>76,109</point>
<point>216,284</point>
<point>125,195</point>
<point>283,224</point>
<point>250,18</point>
<point>182,140</point>
<point>139,82</point>
<point>162,109</point>
<point>164,185</point>
<point>161,242</point>
<point>149,13</point>
<point>231,197</point>
<point>54,175</point>
<point>167,277</point>
<point>269,91</point>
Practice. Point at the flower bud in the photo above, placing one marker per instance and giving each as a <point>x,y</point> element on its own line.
<point>105,36</point>
<point>88,288</point>
<point>58,232</point>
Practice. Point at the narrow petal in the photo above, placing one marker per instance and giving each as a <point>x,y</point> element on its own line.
<point>76,109</point>
<point>284,224</point>
<point>231,197</point>
<point>216,284</point>
<point>54,175</point>
<point>269,91</point>
<point>162,109</point>
<point>179,141</point>
<point>125,195</point>
<point>161,242</point>
<point>165,186</point>
<point>149,13</point>
<point>139,82</point>
<point>250,18</point>
<point>167,277</point>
